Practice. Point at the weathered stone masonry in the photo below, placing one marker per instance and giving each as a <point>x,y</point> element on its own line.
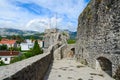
<point>98,34</point>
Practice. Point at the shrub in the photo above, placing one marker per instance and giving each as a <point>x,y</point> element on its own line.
<point>18,58</point>
<point>1,63</point>
<point>28,54</point>
<point>15,49</point>
<point>15,59</point>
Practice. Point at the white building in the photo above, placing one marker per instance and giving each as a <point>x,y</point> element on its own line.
<point>6,56</point>
<point>29,44</point>
<point>26,46</point>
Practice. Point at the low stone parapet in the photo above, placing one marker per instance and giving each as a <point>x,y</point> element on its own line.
<point>33,68</point>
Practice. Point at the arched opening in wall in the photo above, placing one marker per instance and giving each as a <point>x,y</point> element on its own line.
<point>71,53</point>
<point>105,65</point>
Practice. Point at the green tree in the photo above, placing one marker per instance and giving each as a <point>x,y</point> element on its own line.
<point>3,47</point>
<point>32,38</point>
<point>0,38</point>
<point>19,39</point>
<point>36,49</point>
<point>13,37</point>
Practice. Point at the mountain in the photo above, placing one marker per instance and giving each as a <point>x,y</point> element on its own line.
<point>73,35</point>
<point>10,31</point>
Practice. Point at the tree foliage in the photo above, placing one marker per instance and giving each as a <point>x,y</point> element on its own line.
<point>3,47</point>
<point>36,49</point>
<point>2,63</point>
<point>32,38</point>
<point>0,38</point>
<point>15,49</point>
<point>18,38</point>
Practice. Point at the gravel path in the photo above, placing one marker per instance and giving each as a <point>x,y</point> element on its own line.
<point>69,69</point>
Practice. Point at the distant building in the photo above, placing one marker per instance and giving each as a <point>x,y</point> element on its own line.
<point>7,56</point>
<point>26,46</point>
<point>9,43</point>
<point>29,44</point>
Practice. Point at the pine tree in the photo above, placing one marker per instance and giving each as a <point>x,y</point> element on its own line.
<point>36,49</point>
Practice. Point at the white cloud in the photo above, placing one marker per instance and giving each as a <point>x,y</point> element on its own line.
<point>42,23</point>
<point>37,24</point>
<point>22,19</point>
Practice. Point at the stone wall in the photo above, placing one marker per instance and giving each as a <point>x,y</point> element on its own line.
<point>64,51</point>
<point>67,51</point>
<point>33,68</point>
<point>58,53</point>
<point>53,36</point>
<point>98,32</point>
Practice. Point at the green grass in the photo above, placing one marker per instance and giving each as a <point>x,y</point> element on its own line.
<point>71,41</point>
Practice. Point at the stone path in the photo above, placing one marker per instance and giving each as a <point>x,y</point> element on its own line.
<point>69,69</point>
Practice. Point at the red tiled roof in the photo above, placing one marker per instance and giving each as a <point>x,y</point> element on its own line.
<point>7,41</point>
<point>9,53</point>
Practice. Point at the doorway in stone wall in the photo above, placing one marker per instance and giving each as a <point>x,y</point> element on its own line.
<point>71,53</point>
<point>105,65</point>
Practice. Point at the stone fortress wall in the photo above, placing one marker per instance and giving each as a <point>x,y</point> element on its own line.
<point>98,35</point>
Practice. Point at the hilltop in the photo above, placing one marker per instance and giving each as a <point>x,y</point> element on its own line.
<point>11,31</point>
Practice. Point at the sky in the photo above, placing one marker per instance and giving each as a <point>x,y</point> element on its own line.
<point>38,15</point>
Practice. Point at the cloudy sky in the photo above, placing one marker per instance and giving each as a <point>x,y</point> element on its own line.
<point>38,15</point>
